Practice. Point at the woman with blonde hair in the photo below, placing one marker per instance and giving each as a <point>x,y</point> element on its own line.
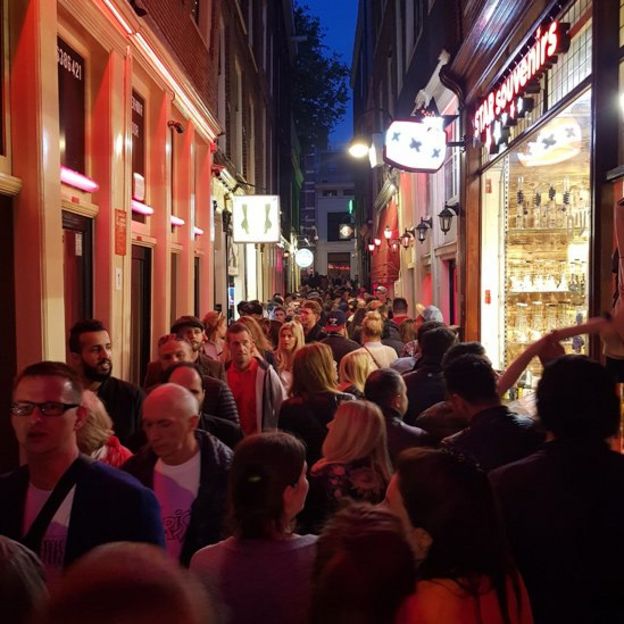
<point>372,330</point>
<point>263,346</point>
<point>96,437</point>
<point>216,327</point>
<point>291,339</point>
<point>354,465</point>
<point>314,397</point>
<point>354,369</point>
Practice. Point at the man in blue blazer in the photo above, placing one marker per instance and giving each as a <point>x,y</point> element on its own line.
<point>62,504</point>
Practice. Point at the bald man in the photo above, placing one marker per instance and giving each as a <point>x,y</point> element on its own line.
<point>187,469</point>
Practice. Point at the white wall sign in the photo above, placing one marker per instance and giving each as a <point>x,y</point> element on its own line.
<point>304,258</point>
<point>416,145</point>
<point>256,218</point>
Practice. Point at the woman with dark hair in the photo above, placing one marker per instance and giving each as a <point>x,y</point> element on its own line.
<point>314,397</point>
<point>466,575</point>
<point>262,573</point>
<point>364,568</point>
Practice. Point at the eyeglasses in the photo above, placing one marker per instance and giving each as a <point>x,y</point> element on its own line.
<point>47,408</point>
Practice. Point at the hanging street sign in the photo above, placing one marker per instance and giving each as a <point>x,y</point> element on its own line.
<point>417,145</point>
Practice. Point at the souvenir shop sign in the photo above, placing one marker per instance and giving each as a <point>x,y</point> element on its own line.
<point>508,100</point>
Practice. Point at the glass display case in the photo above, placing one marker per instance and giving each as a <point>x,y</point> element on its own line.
<point>536,228</point>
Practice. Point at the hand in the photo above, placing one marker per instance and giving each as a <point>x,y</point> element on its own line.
<point>548,348</point>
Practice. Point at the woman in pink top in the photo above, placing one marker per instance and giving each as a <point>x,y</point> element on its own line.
<point>466,575</point>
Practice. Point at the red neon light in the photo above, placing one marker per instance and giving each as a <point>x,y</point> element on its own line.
<point>541,55</point>
<point>118,16</point>
<point>77,180</point>
<point>141,208</point>
<point>177,221</point>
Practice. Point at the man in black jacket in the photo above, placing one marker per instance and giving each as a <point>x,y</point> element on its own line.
<point>386,388</point>
<point>218,412</point>
<point>495,435</point>
<point>90,352</point>
<point>310,317</point>
<point>425,385</point>
<point>186,468</point>
<point>562,505</point>
<point>337,339</point>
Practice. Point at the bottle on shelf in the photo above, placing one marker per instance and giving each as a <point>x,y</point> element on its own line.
<point>520,205</point>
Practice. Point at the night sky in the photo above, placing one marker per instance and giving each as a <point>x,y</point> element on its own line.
<point>338,18</point>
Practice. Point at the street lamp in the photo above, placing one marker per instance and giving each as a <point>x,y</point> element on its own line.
<point>359,146</point>
<point>371,245</point>
<point>446,217</point>
<point>362,143</point>
<point>425,224</point>
<point>407,237</point>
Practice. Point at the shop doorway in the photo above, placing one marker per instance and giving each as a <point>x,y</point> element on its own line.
<point>141,312</point>
<point>338,267</point>
<point>77,268</point>
<point>8,355</point>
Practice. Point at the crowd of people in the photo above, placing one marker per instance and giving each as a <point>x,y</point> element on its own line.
<point>329,457</point>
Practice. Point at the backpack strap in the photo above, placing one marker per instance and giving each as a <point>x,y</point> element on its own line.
<point>372,356</point>
<point>34,536</point>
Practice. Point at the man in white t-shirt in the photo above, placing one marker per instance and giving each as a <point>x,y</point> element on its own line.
<point>186,468</point>
<point>61,504</point>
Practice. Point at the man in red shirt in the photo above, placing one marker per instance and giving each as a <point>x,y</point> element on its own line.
<point>255,384</point>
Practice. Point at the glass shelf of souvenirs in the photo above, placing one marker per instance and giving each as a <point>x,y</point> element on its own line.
<point>547,209</point>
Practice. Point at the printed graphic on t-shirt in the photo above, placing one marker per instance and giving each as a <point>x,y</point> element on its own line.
<point>176,489</point>
<point>52,551</point>
<point>177,524</point>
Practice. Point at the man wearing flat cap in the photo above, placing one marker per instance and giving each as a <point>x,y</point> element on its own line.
<point>191,329</point>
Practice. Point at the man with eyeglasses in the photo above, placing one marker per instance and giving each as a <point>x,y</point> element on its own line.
<point>61,504</point>
<point>90,352</point>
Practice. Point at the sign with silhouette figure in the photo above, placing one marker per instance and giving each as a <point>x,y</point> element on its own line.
<point>256,219</point>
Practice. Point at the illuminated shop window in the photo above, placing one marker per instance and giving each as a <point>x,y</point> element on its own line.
<point>536,228</point>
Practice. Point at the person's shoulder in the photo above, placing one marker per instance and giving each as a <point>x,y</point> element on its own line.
<point>213,383</point>
<point>102,479</point>
<point>124,387</point>
<point>520,469</point>
<point>213,448</point>
<point>138,462</point>
<point>12,479</point>
<point>205,558</point>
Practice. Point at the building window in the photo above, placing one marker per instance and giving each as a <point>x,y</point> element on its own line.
<point>451,165</point>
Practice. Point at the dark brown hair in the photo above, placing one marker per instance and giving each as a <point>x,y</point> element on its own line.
<point>364,568</point>
<point>264,465</point>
